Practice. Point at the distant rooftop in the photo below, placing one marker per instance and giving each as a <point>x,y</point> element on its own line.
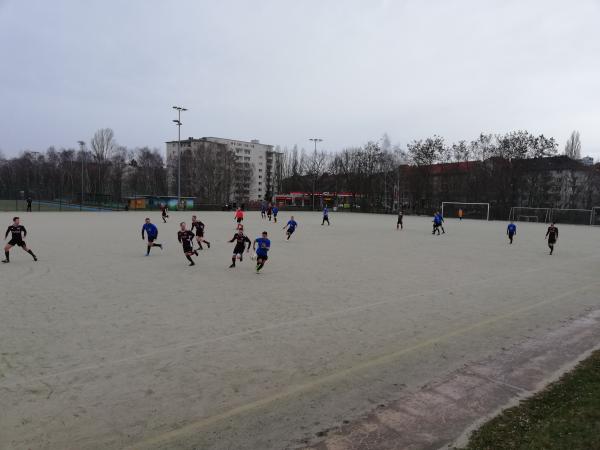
<point>208,138</point>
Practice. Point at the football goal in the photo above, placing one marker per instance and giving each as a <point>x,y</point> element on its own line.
<point>572,216</point>
<point>595,219</point>
<point>527,214</point>
<point>466,210</point>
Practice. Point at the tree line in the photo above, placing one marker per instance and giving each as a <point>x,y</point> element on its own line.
<point>512,169</point>
<point>106,170</point>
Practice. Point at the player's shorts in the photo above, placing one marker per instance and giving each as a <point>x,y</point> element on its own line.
<point>551,240</point>
<point>199,233</point>
<point>151,239</point>
<point>510,234</point>
<point>239,249</point>
<point>239,219</point>
<point>291,230</point>
<point>263,257</point>
<point>17,242</point>
<point>399,221</point>
<point>187,248</point>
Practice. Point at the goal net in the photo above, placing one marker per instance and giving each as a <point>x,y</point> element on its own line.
<point>480,211</point>
<point>572,216</point>
<point>526,214</point>
<point>595,219</point>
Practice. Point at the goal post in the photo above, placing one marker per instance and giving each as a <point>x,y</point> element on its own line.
<point>470,210</point>
<point>573,216</point>
<point>527,214</point>
<point>595,216</point>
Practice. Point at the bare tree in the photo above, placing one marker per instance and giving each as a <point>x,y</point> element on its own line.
<point>573,146</point>
<point>315,168</point>
<point>103,144</point>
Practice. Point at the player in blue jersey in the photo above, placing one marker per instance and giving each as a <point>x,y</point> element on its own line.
<point>263,210</point>
<point>511,230</point>
<point>441,222</point>
<point>152,233</point>
<point>261,245</point>
<point>325,216</point>
<point>275,211</point>
<point>436,224</point>
<point>291,227</point>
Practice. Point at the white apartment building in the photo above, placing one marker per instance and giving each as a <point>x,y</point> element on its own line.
<point>258,166</point>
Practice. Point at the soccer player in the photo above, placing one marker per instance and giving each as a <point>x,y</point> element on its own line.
<point>441,222</point>
<point>264,245</point>
<point>199,226</point>
<point>28,204</point>
<point>460,213</point>
<point>186,237</point>
<point>511,230</point>
<point>269,211</point>
<point>437,222</point>
<point>325,216</point>
<point>399,224</point>
<point>275,211</point>
<point>152,233</point>
<point>165,213</point>
<point>239,215</point>
<point>238,251</point>
<point>291,227</point>
<point>263,210</point>
<point>552,235</point>
<point>18,232</point>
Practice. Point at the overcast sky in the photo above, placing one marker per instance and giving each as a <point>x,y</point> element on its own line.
<point>283,71</point>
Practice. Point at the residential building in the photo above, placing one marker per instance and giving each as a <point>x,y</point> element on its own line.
<point>257,170</point>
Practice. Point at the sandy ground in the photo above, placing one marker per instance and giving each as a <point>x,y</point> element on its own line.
<point>102,347</point>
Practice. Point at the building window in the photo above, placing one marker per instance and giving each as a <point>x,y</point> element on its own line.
<point>260,170</point>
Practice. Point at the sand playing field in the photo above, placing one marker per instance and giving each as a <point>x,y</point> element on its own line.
<point>104,348</point>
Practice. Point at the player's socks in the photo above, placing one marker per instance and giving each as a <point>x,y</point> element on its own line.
<point>32,254</point>
<point>260,266</point>
<point>207,244</point>
<point>6,256</point>
<point>148,250</point>
<point>195,253</point>
<point>232,262</point>
<point>190,260</point>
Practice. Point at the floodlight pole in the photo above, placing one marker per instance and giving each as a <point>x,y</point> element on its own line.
<point>178,123</point>
<point>315,140</point>
<point>82,148</point>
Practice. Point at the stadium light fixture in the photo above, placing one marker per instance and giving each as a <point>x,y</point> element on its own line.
<point>178,123</point>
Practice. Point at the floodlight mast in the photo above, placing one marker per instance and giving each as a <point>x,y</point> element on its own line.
<point>315,140</point>
<point>82,148</point>
<point>178,123</point>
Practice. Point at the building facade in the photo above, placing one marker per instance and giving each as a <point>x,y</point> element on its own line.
<point>256,167</point>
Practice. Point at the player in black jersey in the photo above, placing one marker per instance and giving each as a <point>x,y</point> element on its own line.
<point>240,240</point>
<point>399,224</point>
<point>199,226</point>
<point>186,237</point>
<point>552,235</point>
<point>18,232</point>
<point>165,213</point>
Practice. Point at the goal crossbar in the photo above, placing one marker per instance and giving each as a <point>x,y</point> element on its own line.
<point>487,205</point>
